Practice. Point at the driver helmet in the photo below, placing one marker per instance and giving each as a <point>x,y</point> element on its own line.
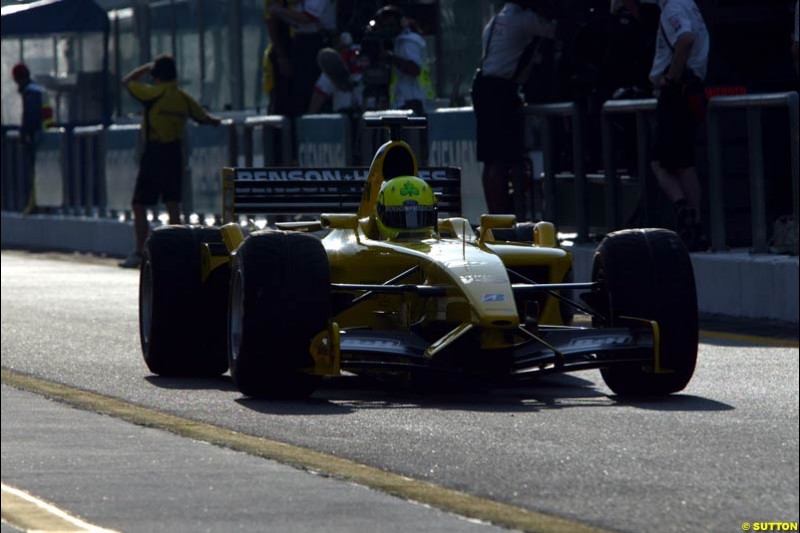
<point>406,208</point>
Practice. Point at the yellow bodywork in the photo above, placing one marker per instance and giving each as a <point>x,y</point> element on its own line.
<point>472,269</point>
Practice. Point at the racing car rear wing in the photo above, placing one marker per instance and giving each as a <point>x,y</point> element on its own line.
<point>293,191</point>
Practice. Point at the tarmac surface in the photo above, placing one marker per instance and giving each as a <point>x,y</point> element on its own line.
<point>723,452</point>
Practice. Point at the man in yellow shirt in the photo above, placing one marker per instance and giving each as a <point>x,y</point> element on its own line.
<point>166,110</point>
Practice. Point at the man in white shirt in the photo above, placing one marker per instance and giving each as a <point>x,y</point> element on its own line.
<point>679,68</point>
<point>510,47</point>
<point>407,59</point>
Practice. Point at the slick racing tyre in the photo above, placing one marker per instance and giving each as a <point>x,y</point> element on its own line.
<point>181,318</point>
<point>279,300</point>
<point>648,274</point>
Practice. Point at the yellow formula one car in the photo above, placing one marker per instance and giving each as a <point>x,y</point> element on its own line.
<point>395,291</point>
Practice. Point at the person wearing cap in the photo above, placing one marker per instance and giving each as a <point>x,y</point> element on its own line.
<point>166,110</point>
<point>36,115</point>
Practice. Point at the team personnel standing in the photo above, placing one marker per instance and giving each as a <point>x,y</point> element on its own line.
<point>36,115</point>
<point>510,43</point>
<point>278,68</point>
<point>166,110</point>
<point>679,68</point>
<point>313,23</point>
<point>408,59</point>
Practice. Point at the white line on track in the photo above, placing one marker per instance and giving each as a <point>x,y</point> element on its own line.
<point>33,515</point>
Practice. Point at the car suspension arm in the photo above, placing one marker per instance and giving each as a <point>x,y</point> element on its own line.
<point>532,286</point>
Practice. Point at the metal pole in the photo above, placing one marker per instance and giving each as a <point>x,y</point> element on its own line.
<point>73,189</point>
<point>248,145</point>
<point>173,29</point>
<point>643,160</point>
<point>579,170</point>
<point>716,197</point>
<point>794,132</point>
<point>286,141</point>
<point>610,174</point>
<point>117,68</point>
<point>233,145</point>
<point>550,208</point>
<point>201,32</point>
<point>235,45</point>
<point>142,14</point>
<point>757,198</point>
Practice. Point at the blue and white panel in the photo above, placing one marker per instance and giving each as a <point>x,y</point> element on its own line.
<point>50,174</point>
<point>452,142</point>
<point>208,153</point>
<point>121,165</point>
<point>323,141</point>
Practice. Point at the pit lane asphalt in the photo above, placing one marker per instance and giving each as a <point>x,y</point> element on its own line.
<point>722,453</point>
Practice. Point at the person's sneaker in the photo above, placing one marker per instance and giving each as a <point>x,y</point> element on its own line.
<point>133,260</point>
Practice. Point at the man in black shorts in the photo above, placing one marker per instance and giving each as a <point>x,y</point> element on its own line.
<point>166,110</point>
<point>678,69</point>
<point>510,44</point>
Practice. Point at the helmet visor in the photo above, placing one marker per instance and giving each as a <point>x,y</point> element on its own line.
<point>410,215</point>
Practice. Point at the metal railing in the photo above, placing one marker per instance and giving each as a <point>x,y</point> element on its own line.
<point>85,160</point>
<point>548,112</point>
<point>269,122</point>
<point>84,190</point>
<point>753,106</point>
<point>14,187</point>
<point>641,108</point>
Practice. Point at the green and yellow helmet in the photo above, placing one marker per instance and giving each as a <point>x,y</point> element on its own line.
<point>406,207</point>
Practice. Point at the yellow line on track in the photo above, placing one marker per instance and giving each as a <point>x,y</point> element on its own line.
<point>29,513</point>
<point>749,339</point>
<point>450,500</point>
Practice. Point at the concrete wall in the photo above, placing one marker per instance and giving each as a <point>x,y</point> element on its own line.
<point>736,283</point>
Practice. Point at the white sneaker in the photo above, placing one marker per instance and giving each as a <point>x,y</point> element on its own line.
<point>133,260</point>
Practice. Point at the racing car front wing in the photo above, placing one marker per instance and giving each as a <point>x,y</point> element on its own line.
<point>550,350</point>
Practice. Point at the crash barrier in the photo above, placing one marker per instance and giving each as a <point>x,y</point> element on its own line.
<point>452,142</point>
<point>85,191</point>
<point>209,150</point>
<point>17,181</point>
<point>292,191</point>
<point>14,186</point>
<point>753,106</point>
<point>324,141</point>
<point>548,113</point>
<point>640,108</point>
<point>122,148</point>
<point>69,163</point>
<point>267,141</point>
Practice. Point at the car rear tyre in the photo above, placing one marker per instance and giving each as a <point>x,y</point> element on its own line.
<point>181,318</point>
<point>648,274</point>
<point>279,300</point>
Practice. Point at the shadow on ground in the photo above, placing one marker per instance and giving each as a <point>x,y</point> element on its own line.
<point>350,394</point>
